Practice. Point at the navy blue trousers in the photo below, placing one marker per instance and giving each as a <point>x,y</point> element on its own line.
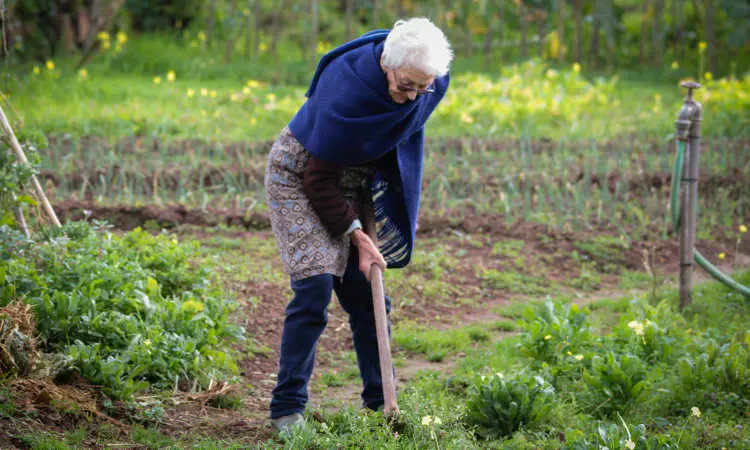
<point>306,318</point>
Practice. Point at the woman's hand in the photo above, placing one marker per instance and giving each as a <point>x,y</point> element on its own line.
<point>369,254</point>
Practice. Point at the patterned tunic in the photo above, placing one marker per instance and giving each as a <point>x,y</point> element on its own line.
<point>306,247</point>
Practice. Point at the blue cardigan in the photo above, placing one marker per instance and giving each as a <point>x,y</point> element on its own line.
<point>349,118</point>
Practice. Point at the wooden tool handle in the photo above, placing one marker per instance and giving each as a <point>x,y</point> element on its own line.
<point>390,407</point>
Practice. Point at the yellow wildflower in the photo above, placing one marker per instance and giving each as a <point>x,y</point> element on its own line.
<point>192,306</point>
<point>246,90</point>
<point>190,92</point>
<point>36,70</point>
<point>253,121</point>
<point>50,65</point>
<point>121,37</point>
<point>204,92</point>
<point>262,47</point>
<point>157,80</point>
<point>702,46</point>
<point>213,93</point>
<point>106,45</point>
<point>171,76</point>
<point>548,337</point>
<point>201,36</point>
<point>695,411</point>
<point>576,67</point>
<point>551,73</point>
<point>466,118</point>
<point>743,229</point>
<point>253,83</point>
<point>103,36</point>
<point>722,255</point>
<point>83,73</point>
<point>675,65</point>
<point>636,326</point>
<point>578,357</point>
<point>708,76</point>
<point>426,420</point>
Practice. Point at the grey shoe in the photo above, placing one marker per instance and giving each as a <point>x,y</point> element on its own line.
<point>287,422</point>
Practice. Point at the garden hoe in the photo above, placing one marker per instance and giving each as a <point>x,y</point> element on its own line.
<point>390,408</point>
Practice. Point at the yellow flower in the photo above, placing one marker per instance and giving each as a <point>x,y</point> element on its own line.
<point>50,65</point>
<point>201,36</point>
<point>36,70</point>
<point>548,337</point>
<point>708,76</point>
<point>262,47</point>
<point>147,342</point>
<point>551,73</point>
<point>121,37</point>
<point>192,306</point>
<point>743,229</point>
<point>578,357</point>
<point>675,65</point>
<point>103,36</point>
<point>253,83</point>
<point>466,118</point>
<point>570,353</point>
<point>157,80</point>
<point>636,326</point>
<point>171,76</point>
<point>193,43</point>
<point>213,93</point>
<point>246,12</point>
<point>190,92</point>
<point>83,73</point>
<point>701,46</point>
<point>722,255</point>
<point>246,90</point>
<point>695,411</point>
<point>576,67</point>
<point>426,420</point>
<point>253,121</point>
<point>204,92</point>
<point>106,45</point>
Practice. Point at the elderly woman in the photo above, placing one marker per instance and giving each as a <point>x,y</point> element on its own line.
<point>357,140</point>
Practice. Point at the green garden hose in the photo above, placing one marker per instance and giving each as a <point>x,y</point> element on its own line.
<point>674,201</point>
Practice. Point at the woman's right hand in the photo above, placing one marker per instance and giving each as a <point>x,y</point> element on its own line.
<point>369,254</point>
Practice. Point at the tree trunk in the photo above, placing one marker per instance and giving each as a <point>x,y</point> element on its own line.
<point>542,30</point>
<point>644,33</point>
<point>314,31</point>
<point>249,29</point>
<point>349,14</point>
<point>67,34</point>
<point>594,49</point>
<point>658,34</point>
<point>232,34</point>
<point>561,31</point>
<point>102,17</point>
<point>211,24</point>
<point>710,36</point>
<point>578,13</point>
<point>256,30</point>
<point>488,42</point>
<point>276,27</point>
<point>524,31</point>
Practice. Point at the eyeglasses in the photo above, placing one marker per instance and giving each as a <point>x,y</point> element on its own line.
<point>429,89</point>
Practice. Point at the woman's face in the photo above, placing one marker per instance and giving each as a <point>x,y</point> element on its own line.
<point>406,83</point>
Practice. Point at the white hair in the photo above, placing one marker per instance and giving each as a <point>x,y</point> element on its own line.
<point>418,44</point>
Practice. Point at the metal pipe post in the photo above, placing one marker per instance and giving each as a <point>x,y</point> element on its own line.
<point>688,129</point>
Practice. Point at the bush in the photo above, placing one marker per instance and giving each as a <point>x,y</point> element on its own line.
<point>552,332</point>
<point>614,381</point>
<point>612,436</point>
<point>129,309</point>
<point>499,406</point>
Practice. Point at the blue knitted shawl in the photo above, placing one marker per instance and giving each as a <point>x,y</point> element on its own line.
<point>350,119</point>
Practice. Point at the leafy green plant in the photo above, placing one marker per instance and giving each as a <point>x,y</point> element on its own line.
<point>555,331</point>
<point>499,406</point>
<point>613,436</point>
<point>614,381</point>
<point>129,309</point>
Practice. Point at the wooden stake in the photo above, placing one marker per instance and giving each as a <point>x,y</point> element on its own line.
<point>8,131</point>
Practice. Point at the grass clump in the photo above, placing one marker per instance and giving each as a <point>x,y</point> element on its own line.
<point>129,309</point>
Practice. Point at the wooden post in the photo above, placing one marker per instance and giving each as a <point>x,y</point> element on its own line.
<point>688,130</point>
<point>8,131</point>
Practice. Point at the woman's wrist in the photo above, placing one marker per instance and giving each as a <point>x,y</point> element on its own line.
<point>358,237</point>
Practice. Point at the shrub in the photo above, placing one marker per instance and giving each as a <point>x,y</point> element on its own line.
<point>614,380</point>
<point>551,332</point>
<point>499,406</point>
<point>612,436</point>
<point>129,309</point>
